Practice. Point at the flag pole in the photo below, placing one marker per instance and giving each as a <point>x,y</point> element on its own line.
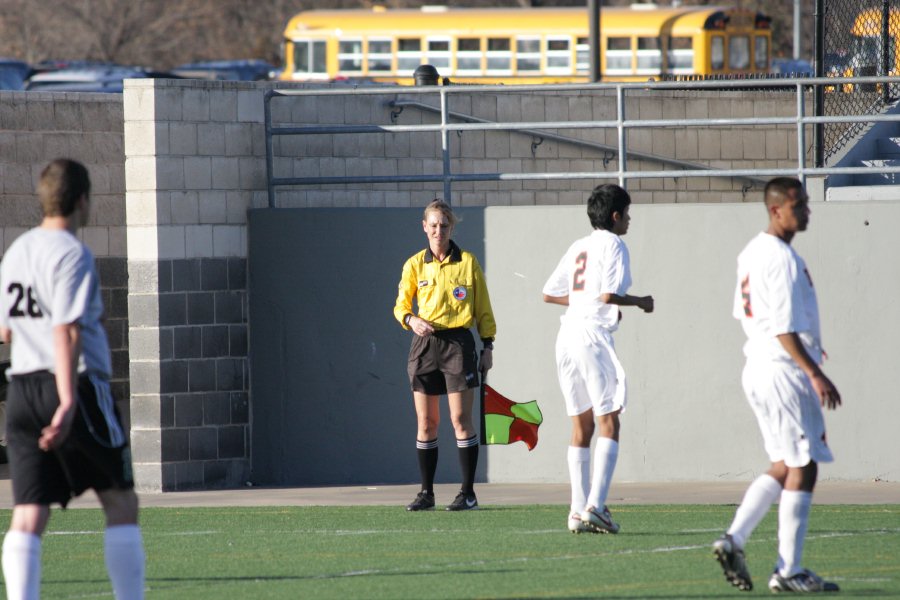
<point>483,436</point>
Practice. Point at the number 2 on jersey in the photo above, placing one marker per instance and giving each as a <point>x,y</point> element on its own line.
<point>31,307</point>
<point>578,275</point>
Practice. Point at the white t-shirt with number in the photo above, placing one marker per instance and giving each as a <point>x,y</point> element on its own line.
<point>48,278</point>
<point>593,265</point>
<point>775,295</point>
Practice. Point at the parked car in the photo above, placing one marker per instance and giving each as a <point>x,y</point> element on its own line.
<point>13,74</point>
<point>226,70</point>
<point>788,66</point>
<point>89,78</point>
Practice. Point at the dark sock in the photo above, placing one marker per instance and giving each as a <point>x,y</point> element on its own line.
<point>468,462</point>
<point>427,453</point>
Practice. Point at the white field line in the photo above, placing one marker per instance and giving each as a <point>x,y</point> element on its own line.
<point>628,552</point>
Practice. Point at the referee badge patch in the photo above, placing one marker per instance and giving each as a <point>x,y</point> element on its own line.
<point>459,292</point>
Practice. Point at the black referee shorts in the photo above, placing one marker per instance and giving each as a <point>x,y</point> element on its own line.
<point>95,455</point>
<point>443,362</point>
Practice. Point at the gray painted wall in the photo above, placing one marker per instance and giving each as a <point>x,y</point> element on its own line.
<point>331,399</point>
<point>331,402</point>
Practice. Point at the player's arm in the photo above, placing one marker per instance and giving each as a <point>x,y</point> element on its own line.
<point>561,300</point>
<point>67,349</point>
<point>5,335</point>
<point>645,303</point>
<point>828,394</point>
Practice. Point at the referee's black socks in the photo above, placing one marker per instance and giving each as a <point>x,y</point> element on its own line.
<point>468,462</point>
<point>427,453</point>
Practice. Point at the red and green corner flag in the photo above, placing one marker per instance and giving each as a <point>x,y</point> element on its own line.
<point>504,421</point>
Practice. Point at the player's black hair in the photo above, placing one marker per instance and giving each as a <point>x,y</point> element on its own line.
<point>605,200</point>
<point>62,183</point>
<point>778,189</point>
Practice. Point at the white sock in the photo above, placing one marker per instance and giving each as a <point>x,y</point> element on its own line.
<point>758,499</point>
<point>124,551</point>
<point>606,451</point>
<point>793,519</point>
<point>579,460</point>
<point>22,565</point>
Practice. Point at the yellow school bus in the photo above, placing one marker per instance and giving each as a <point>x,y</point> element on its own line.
<point>863,57</point>
<point>524,45</point>
<point>867,42</point>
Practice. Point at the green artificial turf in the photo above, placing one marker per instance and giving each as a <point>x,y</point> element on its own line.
<point>496,552</point>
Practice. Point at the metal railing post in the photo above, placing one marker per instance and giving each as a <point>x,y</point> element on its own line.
<point>819,90</point>
<point>445,147</point>
<point>270,152</point>
<point>620,119</point>
<point>801,136</point>
<point>886,43</point>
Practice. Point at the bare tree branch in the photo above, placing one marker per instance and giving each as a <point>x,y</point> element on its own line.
<point>164,33</point>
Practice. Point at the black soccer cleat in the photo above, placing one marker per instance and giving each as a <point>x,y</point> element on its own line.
<point>424,501</point>
<point>803,582</point>
<point>463,501</point>
<point>734,566</point>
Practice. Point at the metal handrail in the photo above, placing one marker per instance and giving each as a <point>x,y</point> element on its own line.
<point>621,124</point>
<point>523,128</point>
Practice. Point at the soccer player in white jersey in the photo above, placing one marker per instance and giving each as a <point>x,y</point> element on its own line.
<point>64,434</point>
<point>776,304</point>
<point>592,279</point>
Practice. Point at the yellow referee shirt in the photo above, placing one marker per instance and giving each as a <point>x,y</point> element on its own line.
<point>449,294</point>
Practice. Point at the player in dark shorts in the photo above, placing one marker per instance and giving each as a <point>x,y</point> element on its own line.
<point>64,434</point>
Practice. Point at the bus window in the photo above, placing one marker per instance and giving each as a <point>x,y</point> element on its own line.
<point>559,55</point>
<point>499,56</point>
<point>618,55</point>
<point>309,57</point>
<point>582,55</point>
<point>681,54</point>
<point>379,56</point>
<point>649,55</point>
<point>468,55</point>
<point>739,53</point>
<point>350,56</point>
<point>761,53</point>
<point>528,54</point>
<point>409,55</point>
<point>717,52</point>
<point>438,54</point>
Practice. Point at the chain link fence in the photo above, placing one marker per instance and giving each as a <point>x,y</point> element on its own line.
<point>859,40</point>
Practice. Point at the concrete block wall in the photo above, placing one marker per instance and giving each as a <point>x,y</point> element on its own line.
<point>728,147</point>
<point>37,127</point>
<point>176,164</point>
<point>195,162</point>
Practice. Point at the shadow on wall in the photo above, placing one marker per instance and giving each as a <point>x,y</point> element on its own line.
<point>331,399</point>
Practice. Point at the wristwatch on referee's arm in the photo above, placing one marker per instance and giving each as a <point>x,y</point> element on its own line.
<point>407,319</point>
<point>487,343</point>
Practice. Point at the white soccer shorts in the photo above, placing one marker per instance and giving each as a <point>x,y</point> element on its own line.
<point>590,374</point>
<point>788,411</point>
